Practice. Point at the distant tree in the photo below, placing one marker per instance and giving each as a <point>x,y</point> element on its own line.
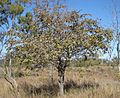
<point>9,10</point>
<point>116,31</point>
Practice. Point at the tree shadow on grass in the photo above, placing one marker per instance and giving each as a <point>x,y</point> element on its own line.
<point>53,89</point>
<point>84,85</point>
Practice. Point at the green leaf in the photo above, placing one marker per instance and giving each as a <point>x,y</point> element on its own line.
<point>16,9</point>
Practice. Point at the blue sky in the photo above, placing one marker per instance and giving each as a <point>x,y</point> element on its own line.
<point>100,9</point>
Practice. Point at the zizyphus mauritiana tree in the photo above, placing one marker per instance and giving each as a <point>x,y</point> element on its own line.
<point>53,35</point>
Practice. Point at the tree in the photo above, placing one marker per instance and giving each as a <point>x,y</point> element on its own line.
<point>9,10</point>
<point>116,33</point>
<point>53,35</point>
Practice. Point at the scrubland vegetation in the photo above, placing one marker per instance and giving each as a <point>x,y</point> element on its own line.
<point>80,82</point>
<point>49,51</point>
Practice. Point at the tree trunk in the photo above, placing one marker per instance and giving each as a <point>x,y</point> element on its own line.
<point>118,51</point>
<point>14,85</point>
<point>12,82</point>
<point>61,84</point>
<point>9,71</point>
<point>61,70</point>
<point>8,77</point>
<point>50,74</point>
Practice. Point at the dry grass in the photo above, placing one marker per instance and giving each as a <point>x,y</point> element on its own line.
<point>91,82</point>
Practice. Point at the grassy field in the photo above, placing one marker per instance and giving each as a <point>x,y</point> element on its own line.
<point>90,82</point>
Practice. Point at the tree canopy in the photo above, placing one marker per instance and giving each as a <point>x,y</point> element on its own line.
<point>50,33</point>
